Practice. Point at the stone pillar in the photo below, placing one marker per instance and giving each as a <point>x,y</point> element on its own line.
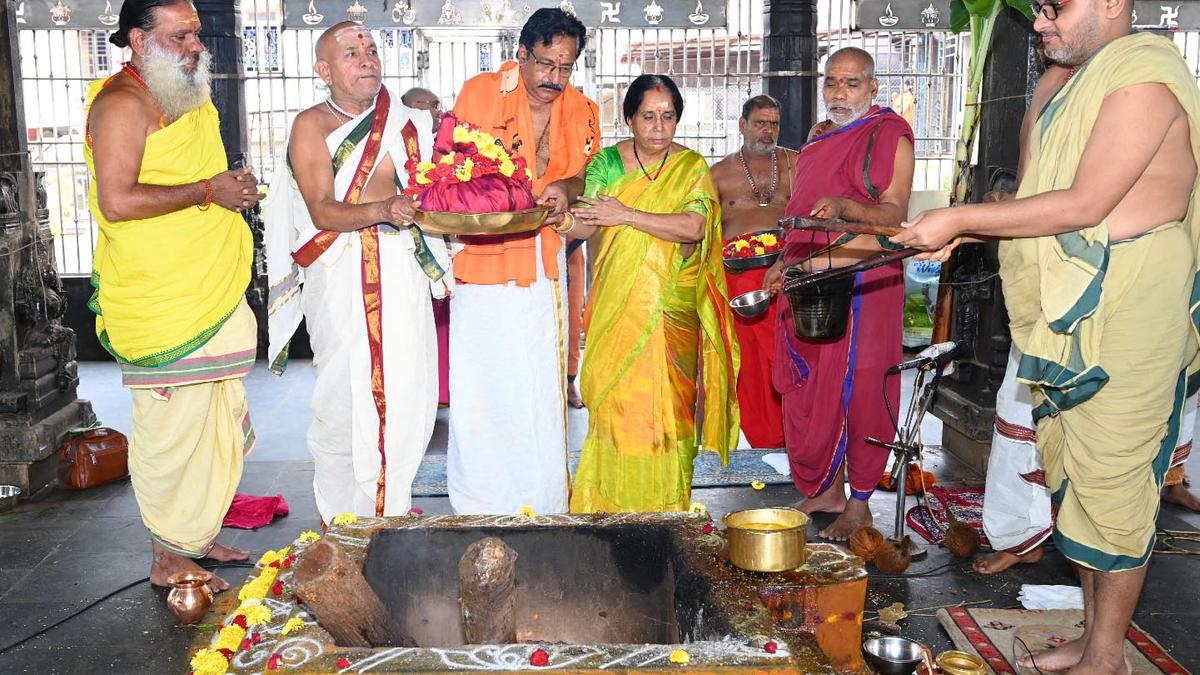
<point>966,403</point>
<point>38,373</point>
<point>221,33</point>
<point>789,55</point>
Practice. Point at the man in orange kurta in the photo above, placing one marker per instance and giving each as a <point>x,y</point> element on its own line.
<point>507,444</point>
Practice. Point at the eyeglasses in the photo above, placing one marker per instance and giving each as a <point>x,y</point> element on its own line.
<point>549,67</point>
<point>1049,10</point>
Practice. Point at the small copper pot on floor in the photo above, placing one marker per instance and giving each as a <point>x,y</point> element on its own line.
<point>190,596</point>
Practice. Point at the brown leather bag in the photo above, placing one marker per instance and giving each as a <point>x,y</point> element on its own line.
<point>94,457</point>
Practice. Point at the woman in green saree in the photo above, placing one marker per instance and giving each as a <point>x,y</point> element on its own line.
<point>661,352</point>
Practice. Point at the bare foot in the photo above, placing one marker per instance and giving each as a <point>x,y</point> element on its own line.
<point>573,398</point>
<point>991,563</point>
<point>166,563</point>
<point>832,500</point>
<point>223,553</point>
<point>1064,657</point>
<point>1179,494</point>
<point>1118,664</point>
<point>857,514</point>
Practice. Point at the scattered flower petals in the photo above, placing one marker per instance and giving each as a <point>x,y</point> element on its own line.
<point>679,656</point>
<point>308,537</point>
<point>277,588</point>
<point>528,512</point>
<point>343,662</point>
<point>255,637</point>
<point>758,485</point>
<point>273,662</point>
<point>287,562</point>
<point>345,519</point>
<point>245,644</point>
<point>293,624</point>
<point>771,647</point>
<point>239,621</point>
<point>708,528</point>
<point>416,511</point>
<point>698,509</point>
<point>539,658</point>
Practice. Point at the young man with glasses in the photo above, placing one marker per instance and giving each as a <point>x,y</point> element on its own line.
<point>507,364</point>
<point>1099,265</point>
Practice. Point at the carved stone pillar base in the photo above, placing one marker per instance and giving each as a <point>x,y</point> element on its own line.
<point>36,444</point>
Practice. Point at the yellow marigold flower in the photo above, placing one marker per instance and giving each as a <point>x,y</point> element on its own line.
<point>284,551</point>
<point>463,173</point>
<point>507,167</point>
<point>462,134</point>
<point>345,518</point>
<point>698,509</point>
<point>423,179</point>
<point>758,250</point>
<point>447,159</point>
<point>491,151</point>
<point>267,558</point>
<point>679,656</point>
<point>527,511</point>
<point>769,239</point>
<point>293,624</point>
<point>741,244</point>
<point>308,537</point>
<point>231,638</point>
<point>758,485</point>
<point>257,614</point>
<point>207,662</point>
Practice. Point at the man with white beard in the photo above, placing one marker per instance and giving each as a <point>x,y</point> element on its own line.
<point>171,266</point>
<point>859,167</point>
<point>336,222</point>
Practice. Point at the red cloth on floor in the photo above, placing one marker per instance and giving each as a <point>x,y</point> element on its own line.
<point>249,512</point>
<point>761,405</point>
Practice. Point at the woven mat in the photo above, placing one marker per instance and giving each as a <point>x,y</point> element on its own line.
<point>745,467</point>
<point>992,634</point>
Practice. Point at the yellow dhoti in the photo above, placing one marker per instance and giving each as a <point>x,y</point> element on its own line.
<point>1104,327</point>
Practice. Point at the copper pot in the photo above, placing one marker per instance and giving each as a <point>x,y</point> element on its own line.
<point>766,540</point>
<point>190,596</point>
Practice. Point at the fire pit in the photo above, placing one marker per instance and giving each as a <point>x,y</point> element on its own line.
<point>626,592</point>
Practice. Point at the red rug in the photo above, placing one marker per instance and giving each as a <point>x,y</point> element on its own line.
<point>1001,636</point>
<point>929,518</point>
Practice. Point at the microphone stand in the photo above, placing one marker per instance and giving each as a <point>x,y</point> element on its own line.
<point>907,445</point>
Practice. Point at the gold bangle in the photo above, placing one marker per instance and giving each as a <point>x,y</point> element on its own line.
<point>569,221</point>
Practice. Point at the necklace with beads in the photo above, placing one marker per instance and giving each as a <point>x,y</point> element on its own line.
<point>764,197</point>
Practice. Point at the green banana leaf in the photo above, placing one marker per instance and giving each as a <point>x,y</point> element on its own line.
<point>961,11</point>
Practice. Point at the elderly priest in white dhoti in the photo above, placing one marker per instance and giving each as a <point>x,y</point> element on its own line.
<point>341,247</point>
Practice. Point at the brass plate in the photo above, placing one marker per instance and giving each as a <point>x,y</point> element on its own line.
<point>502,222</point>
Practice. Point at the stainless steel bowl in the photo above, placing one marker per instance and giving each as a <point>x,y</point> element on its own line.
<point>751,303</point>
<point>892,655</point>
<point>8,496</point>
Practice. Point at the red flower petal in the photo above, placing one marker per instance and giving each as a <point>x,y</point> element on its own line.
<point>275,564</point>
<point>287,562</point>
<point>273,662</point>
<point>245,644</point>
<point>227,653</point>
<point>277,588</point>
<point>708,528</point>
<point>343,662</point>
<point>749,607</point>
<point>255,637</point>
<point>539,658</point>
<point>416,511</point>
<point>771,647</point>
<point>240,621</point>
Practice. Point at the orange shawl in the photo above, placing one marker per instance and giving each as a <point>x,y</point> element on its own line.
<point>497,102</point>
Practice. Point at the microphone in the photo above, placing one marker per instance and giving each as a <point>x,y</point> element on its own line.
<point>933,356</point>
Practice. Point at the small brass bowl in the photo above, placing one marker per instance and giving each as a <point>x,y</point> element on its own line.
<point>766,540</point>
<point>500,222</point>
<point>961,663</point>
<point>751,303</point>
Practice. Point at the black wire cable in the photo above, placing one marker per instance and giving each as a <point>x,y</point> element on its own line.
<point>93,603</point>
